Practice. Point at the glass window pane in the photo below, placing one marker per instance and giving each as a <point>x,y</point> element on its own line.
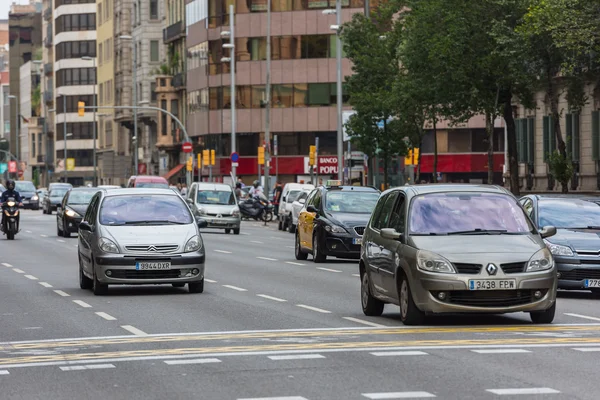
<point>154,50</point>
<point>259,49</point>
<point>215,97</point>
<point>282,96</point>
<point>300,95</point>
<point>258,96</point>
<point>226,90</point>
<point>243,96</point>
<point>318,94</point>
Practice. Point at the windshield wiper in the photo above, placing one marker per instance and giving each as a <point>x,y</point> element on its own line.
<point>156,222</point>
<point>584,227</point>
<point>480,231</point>
<point>429,234</point>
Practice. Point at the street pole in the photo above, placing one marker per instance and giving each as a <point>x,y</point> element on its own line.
<point>268,105</point>
<point>94,132</point>
<point>65,134</point>
<point>338,51</point>
<point>232,55</point>
<point>135,132</point>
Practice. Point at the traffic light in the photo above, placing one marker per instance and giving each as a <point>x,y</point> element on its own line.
<point>312,155</point>
<point>212,157</point>
<point>81,108</point>
<point>190,163</point>
<point>261,155</point>
<point>199,160</point>
<point>205,157</point>
<point>409,158</point>
<point>415,156</point>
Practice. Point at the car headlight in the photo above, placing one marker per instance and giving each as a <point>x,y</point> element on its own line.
<point>194,244</point>
<point>107,245</point>
<point>432,262</point>
<point>34,198</point>
<point>201,211</point>
<point>335,229</point>
<point>558,250</point>
<point>540,261</point>
<point>71,213</point>
<point>236,212</point>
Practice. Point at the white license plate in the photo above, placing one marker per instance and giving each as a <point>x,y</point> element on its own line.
<point>142,266</point>
<point>357,241</point>
<point>593,283</point>
<point>219,222</point>
<point>25,201</point>
<point>492,284</point>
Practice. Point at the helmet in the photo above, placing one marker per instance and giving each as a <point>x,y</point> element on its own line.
<point>10,184</point>
<point>255,184</point>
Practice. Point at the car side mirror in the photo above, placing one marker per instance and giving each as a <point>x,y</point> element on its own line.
<point>284,198</point>
<point>201,223</point>
<point>302,201</point>
<point>547,231</point>
<point>189,200</point>
<point>85,226</point>
<point>312,209</point>
<point>391,233</point>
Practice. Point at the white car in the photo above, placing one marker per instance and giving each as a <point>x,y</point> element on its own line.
<point>289,193</point>
<point>297,206</point>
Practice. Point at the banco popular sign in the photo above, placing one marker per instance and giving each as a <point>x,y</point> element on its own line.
<point>327,165</point>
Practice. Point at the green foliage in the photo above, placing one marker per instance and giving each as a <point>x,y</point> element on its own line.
<point>36,101</point>
<point>561,168</point>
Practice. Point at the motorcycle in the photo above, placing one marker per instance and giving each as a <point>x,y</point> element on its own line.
<point>11,218</point>
<point>257,208</point>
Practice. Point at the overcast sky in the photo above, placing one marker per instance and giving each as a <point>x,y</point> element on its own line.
<point>4,6</point>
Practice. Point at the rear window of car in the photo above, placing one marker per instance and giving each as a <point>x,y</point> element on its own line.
<point>24,186</point>
<point>144,209</point>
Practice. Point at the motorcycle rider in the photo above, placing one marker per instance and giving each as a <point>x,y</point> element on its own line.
<point>256,190</point>
<point>8,193</point>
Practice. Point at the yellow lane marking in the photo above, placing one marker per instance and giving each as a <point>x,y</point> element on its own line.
<point>293,347</point>
<point>294,334</point>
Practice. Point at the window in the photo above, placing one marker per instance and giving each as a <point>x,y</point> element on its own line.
<point>100,19</point>
<point>318,94</point>
<point>83,158</point>
<point>76,49</point>
<point>76,22</point>
<point>573,142</point>
<point>399,215</point>
<point>72,102</point>
<point>153,91</point>
<point>80,130</point>
<point>595,135</point>
<point>33,145</point>
<point>549,136</point>
<point>282,96</point>
<point>108,136</point>
<point>75,76</point>
<point>100,54</point>
<point>163,118</point>
<point>153,9</point>
<point>154,56</point>
<point>384,214</point>
<point>525,139</point>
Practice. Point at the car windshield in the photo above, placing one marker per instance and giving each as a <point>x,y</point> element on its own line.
<point>81,196</point>
<point>455,213</point>
<point>569,213</point>
<point>219,197</point>
<point>58,193</point>
<point>144,210</point>
<point>160,185</point>
<point>293,195</point>
<point>351,201</point>
<point>24,186</point>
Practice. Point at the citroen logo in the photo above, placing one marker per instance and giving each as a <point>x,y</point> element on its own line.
<point>491,269</point>
<point>152,248</point>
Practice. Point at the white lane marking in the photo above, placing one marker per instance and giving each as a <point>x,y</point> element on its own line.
<point>293,263</point>
<point>500,351</point>
<point>276,398</point>
<point>267,258</point>
<point>19,271</point>
<point>290,247</point>
<point>328,269</point>
<point>194,361</point>
<point>134,330</point>
<point>83,367</point>
<point>239,289</point>
<point>60,240</point>
<point>76,245</point>
<point>296,357</point>
<point>357,275</point>
<point>4,372</point>
<point>266,296</point>
<point>28,231</point>
<point>7,265</point>
<point>314,308</point>
<point>582,316</point>
<point>44,235</point>
<point>82,303</point>
<point>223,251</point>
<point>504,392</point>
<point>398,395</point>
<point>105,316</point>
<point>587,349</point>
<point>361,321</point>
<point>45,284</point>
<point>32,328</point>
<point>33,278</point>
<point>210,280</point>
<point>256,241</point>
<point>399,353</point>
<point>245,233</point>
<point>61,293</point>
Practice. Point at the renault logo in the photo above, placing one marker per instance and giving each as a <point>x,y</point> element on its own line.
<point>491,269</point>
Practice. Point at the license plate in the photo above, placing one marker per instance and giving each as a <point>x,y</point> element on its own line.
<point>142,266</point>
<point>25,201</point>
<point>357,241</point>
<point>219,222</point>
<point>492,284</point>
<point>594,283</point>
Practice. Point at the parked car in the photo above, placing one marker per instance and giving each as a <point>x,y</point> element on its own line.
<point>216,204</point>
<point>288,194</point>
<point>28,194</point>
<point>109,187</point>
<point>55,185</point>
<point>41,193</point>
<point>434,249</point>
<point>140,236</point>
<point>297,207</point>
<point>147,181</point>
<point>72,209</point>
<point>53,199</point>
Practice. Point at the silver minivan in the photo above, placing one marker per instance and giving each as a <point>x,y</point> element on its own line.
<point>434,249</point>
<point>217,204</point>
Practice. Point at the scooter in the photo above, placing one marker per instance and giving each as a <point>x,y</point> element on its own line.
<point>11,218</point>
<point>257,208</point>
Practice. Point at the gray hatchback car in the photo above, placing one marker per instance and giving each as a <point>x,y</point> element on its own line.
<point>435,249</point>
<point>140,236</point>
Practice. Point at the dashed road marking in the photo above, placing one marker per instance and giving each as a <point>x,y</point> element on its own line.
<point>265,296</point>
<point>320,310</point>
<point>33,278</point>
<point>209,280</point>
<point>223,251</point>
<point>42,235</point>
<point>290,247</point>
<point>399,353</point>
<point>134,330</point>
<point>582,316</point>
<point>7,265</point>
<point>28,231</point>
<point>587,349</point>
<point>256,241</point>
<point>84,367</point>
<point>296,357</point>
<point>105,316</point>
<point>500,351</point>
<point>276,398</point>
<point>328,269</point>
<point>293,263</point>
<point>193,361</point>
<point>361,321</point>
<point>267,258</point>
<point>4,372</point>
<point>60,240</point>
<point>61,293</point>
<point>398,395</point>
<point>509,392</point>
<point>82,303</point>
<point>239,289</point>
<point>45,284</point>
<point>19,271</point>
<point>357,275</point>
<point>245,233</point>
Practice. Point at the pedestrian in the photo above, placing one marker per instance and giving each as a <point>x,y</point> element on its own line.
<point>184,190</point>
<point>179,187</point>
<point>241,182</point>
<point>276,197</point>
<point>238,191</point>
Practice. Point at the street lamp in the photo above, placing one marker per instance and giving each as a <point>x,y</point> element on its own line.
<point>17,125</point>
<point>268,102</point>
<point>93,60</point>
<point>231,59</point>
<point>134,100</point>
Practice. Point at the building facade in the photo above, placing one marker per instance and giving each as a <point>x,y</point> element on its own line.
<point>4,81</point>
<point>31,134</point>
<point>47,84</point>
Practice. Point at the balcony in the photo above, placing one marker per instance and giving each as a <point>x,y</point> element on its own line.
<point>41,158</point>
<point>178,81</point>
<point>48,68</point>
<point>48,97</point>
<point>40,121</point>
<point>173,32</point>
<point>48,38</point>
<point>48,11</point>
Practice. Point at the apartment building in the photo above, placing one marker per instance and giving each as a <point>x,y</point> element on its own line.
<point>46,152</point>
<point>4,81</point>
<point>74,40</point>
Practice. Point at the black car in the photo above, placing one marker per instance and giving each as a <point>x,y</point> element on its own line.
<point>70,212</point>
<point>333,221</point>
<point>576,245</point>
<point>28,194</point>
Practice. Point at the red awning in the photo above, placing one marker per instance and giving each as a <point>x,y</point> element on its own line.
<point>173,172</point>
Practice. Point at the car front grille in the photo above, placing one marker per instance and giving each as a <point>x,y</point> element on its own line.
<point>462,268</point>
<point>491,298</point>
<point>162,249</point>
<point>514,268</point>
<point>148,274</point>
<point>360,230</point>
<point>580,274</point>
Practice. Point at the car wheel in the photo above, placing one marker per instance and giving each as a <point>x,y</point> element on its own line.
<point>178,284</point>
<point>236,231</point>
<point>65,231</point>
<point>371,306</point>
<point>300,255</point>
<point>84,282</point>
<point>543,317</point>
<point>409,313</point>
<point>196,287</point>
<point>280,225</point>
<point>98,288</point>
<point>292,228</point>
<point>58,231</point>
<point>227,231</point>
<point>318,256</point>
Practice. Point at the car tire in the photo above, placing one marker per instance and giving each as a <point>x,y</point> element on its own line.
<point>371,306</point>
<point>543,317</point>
<point>292,228</point>
<point>409,312</point>
<point>178,285</point>
<point>66,233</point>
<point>98,288</point>
<point>227,231</point>
<point>236,231</point>
<point>58,231</point>
<point>318,256</point>
<point>280,225</point>
<point>84,282</point>
<point>300,255</point>
<point>196,287</point>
